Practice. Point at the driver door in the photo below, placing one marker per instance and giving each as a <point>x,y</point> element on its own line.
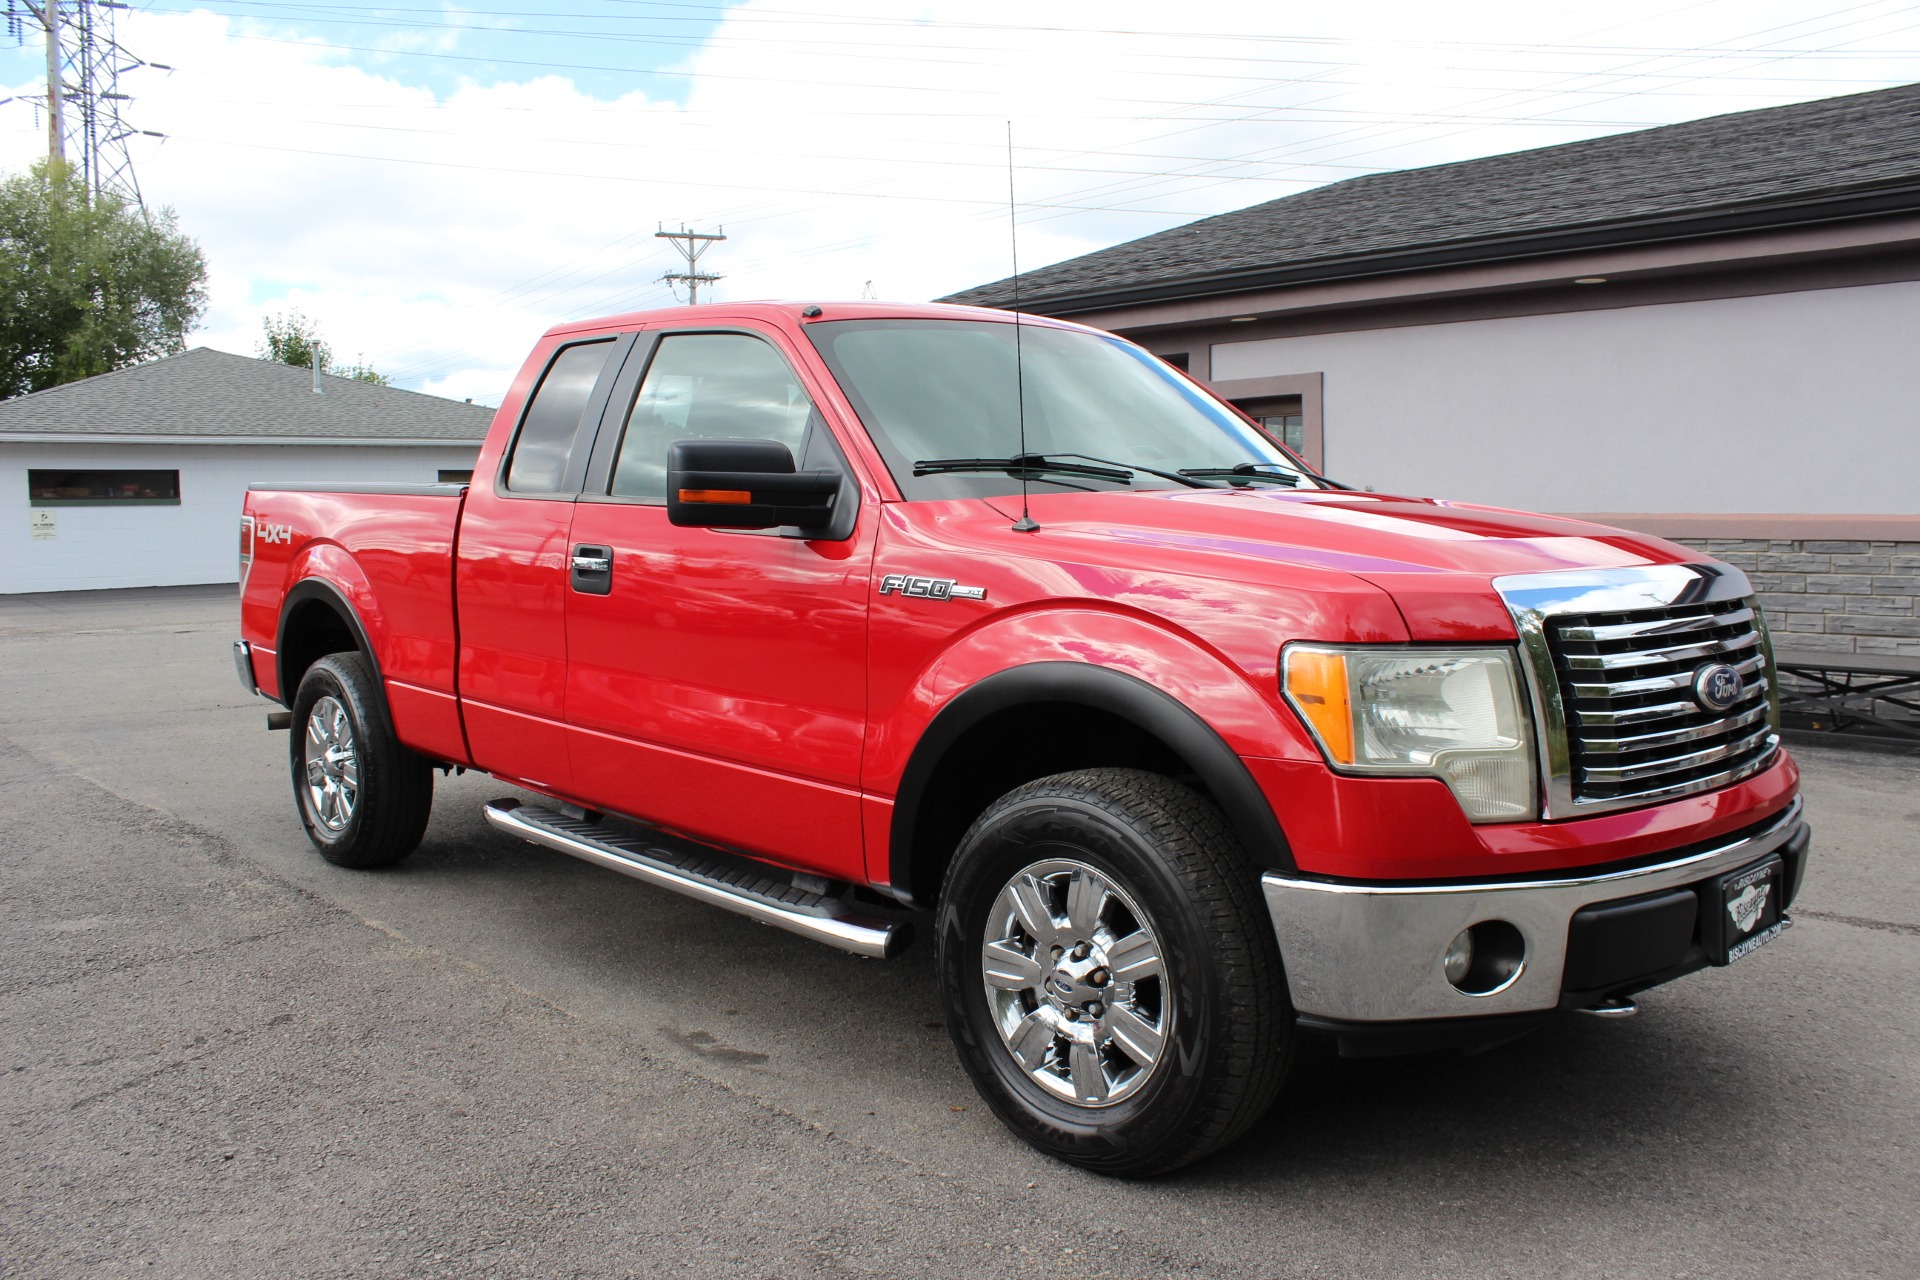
<point>716,680</point>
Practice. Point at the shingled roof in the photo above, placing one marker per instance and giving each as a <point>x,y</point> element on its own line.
<point>214,397</point>
<point>1836,158</point>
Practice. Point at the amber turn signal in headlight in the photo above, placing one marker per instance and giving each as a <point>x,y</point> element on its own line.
<point>1452,714</point>
<point>1317,687</point>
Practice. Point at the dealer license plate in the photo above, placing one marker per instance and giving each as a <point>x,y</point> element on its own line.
<point>1748,914</point>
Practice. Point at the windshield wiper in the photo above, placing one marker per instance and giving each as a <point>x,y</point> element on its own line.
<point>1248,471</point>
<point>1260,471</point>
<point>1032,464</point>
<point>1178,477</point>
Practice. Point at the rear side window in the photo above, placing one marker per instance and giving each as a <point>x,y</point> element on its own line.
<point>552,419</point>
<point>707,386</point>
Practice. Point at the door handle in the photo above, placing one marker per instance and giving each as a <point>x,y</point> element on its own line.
<point>592,572</point>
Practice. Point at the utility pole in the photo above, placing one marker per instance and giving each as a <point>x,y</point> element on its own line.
<point>691,245</point>
<point>83,100</point>
<point>56,114</point>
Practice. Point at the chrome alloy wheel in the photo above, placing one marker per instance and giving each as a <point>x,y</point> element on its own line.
<point>333,767</point>
<point>1076,983</point>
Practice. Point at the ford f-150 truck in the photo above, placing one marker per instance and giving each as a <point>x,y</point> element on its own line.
<point>845,616</point>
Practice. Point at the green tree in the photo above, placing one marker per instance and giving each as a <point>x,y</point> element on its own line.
<point>293,339</point>
<point>88,284</point>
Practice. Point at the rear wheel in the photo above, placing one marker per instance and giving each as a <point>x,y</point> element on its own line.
<point>363,797</point>
<point>1113,984</point>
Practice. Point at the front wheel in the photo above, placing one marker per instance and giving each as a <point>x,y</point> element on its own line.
<point>1113,985</point>
<point>363,797</point>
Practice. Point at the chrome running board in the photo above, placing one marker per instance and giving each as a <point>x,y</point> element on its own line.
<point>708,875</point>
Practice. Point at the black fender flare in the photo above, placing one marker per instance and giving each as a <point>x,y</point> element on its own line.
<point>1174,724</point>
<point>326,593</point>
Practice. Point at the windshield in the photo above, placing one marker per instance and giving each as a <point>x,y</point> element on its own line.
<point>930,390</point>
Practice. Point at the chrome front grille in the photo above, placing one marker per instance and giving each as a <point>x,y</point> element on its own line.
<point>1611,658</point>
<point>1635,731</point>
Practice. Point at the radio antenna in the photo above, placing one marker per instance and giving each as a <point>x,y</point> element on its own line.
<point>1026,523</point>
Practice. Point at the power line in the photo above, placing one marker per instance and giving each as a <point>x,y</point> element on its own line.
<point>1624,73</point>
<point>1110,196</point>
<point>767,18</point>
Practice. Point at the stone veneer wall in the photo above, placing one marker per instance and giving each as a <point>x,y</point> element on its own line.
<point>1831,596</point>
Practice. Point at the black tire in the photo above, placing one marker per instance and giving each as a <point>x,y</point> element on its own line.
<point>391,787</point>
<point>1221,999</point>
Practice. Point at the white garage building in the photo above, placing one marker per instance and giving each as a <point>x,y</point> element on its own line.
<point>135,478</point>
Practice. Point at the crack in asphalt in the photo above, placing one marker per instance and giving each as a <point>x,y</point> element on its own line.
<point>1861,922</point>
<point>117,968</point>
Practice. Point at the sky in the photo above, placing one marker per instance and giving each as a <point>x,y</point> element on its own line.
<point>435,184</point>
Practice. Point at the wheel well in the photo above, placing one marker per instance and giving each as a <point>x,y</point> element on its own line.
<point>313,628</point>
<point>1015,746</point>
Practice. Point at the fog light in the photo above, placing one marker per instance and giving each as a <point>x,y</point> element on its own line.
<point>1459,958</point>
<point>1485,958</point>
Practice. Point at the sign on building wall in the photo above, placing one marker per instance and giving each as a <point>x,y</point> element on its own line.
<point>41,521</point>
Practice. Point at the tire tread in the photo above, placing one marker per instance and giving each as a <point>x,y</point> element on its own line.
<point>396,784</point>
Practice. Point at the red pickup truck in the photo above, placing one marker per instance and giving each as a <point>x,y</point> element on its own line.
<point>846,616</point>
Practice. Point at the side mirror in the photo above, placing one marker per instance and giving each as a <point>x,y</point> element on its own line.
<point>745,484</point>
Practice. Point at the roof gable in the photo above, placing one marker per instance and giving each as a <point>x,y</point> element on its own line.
<point>216,395</point>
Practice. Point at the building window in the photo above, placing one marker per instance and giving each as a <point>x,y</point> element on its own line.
<point>1289,407</point>
<point>455,477</point>
<point>97,488</point>
<point>1288,426</point>
<point>1178,359</point>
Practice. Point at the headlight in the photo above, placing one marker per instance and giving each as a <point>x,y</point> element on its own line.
<point>1452,714</point>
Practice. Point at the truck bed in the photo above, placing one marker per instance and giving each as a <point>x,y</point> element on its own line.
<point>386,551</point>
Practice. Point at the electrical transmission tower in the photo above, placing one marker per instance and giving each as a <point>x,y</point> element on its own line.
<point>691,245</point>
<point>83,103</point>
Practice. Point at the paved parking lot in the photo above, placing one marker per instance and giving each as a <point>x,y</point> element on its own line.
<point>222,1057</point>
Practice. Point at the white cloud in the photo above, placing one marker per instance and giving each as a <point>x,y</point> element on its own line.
<point>436,235</point>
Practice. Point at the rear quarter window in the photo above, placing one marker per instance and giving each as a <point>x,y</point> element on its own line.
<point>552,420</point>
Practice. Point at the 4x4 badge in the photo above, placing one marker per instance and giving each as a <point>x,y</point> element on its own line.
<point>929,588</point>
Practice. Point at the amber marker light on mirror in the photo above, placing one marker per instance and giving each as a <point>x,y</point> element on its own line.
<point>730,497</point>
<point>1316,682</point>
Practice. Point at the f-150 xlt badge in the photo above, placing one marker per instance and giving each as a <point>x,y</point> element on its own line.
<point>929,588</point>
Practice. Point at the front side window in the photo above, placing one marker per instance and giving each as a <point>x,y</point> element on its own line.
<point>707,386</point>
<point>552,419</point>
<point>952,389</point>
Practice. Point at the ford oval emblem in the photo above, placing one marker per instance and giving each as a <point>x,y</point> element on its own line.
<point>1717,686</point>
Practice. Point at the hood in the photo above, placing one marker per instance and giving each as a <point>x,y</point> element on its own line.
<point>1436,559</point>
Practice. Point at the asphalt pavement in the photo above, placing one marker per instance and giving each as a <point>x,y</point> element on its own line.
<point>220,1056</point>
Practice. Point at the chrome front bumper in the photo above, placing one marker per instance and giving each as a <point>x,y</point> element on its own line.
<point>1372,953</point>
